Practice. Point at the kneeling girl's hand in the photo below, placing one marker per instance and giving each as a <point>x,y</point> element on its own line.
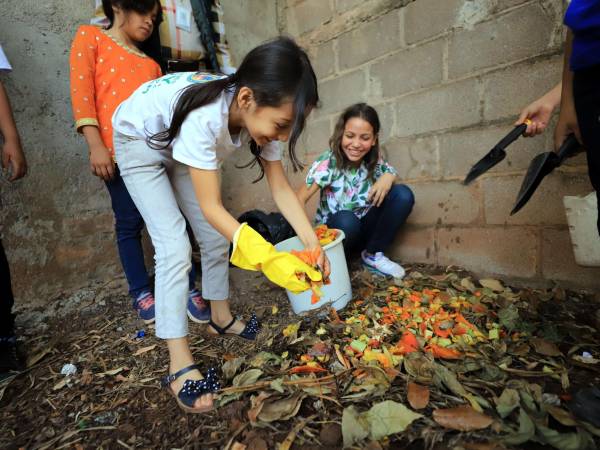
<point>381,188</point>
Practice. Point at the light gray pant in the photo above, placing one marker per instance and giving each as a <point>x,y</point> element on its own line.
<point>162,189</point>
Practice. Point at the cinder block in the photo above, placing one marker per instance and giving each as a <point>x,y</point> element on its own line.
<point>369,40</point>
<point>323,59</point>
<point>507,91</point>
<point>413,158</point>
<point>426,18</point>
<point>459,150</point>
<point>345,5</point>
<point>414,245</point>
<point>408,70</point>
<point>452,105</point>
<point>387,119</point>
<point>544,208</point>
<point>307,15</point>
<point>519,34</point>
<point>508,251</point>
<point>559,262</point>
<point>336,94</point>
<point>314,138</point>
<point>445,203</point>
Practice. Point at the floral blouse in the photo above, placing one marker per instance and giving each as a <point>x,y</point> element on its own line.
<point>343,190</point>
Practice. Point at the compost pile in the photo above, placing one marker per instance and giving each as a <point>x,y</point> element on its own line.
<point>438,360</point>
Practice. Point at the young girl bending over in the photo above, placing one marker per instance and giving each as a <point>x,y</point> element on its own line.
<point>106,67</point>
<point>170,137</point>
<point>357,190</point>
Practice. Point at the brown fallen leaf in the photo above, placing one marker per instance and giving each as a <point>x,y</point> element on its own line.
<point>463,418</point>
<point>331,434</point>
<point>144,350</point>
<point>238,446</point>
<point>492,284</point>
<point>418,395</point>
<point>543,347</point>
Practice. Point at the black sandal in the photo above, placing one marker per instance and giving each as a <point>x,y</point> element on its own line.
<point>192,390</point>
<point>249,332</point>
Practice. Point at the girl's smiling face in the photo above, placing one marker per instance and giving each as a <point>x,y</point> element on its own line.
<point>358,139</point>
<point>265,123</point>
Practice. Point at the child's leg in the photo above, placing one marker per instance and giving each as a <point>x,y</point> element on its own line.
<point>7,300</point>
<point>586,92</point>
<point>382,223</point>
<point>128,228</point>
<point>350,225</point>
<point>214,250</point>
<point>153,195</point>
<point>144,173</point>
<point>8,354</point>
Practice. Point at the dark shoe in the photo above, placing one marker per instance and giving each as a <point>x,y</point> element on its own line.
<point>144,305</point>
<point>249,332</point>
<point>198,309</point>
<point>192,390</point>
<point>9,359</point>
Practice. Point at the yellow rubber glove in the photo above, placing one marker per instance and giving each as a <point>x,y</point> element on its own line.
<point>252,252</point>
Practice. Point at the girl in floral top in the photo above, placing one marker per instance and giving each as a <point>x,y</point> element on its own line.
<point>106,68</point>
<point>357,190</point>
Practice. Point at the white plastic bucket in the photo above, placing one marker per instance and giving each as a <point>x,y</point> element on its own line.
<point>339,292</point>
<point>582,213</point>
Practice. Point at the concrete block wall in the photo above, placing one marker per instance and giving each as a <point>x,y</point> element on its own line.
<point>56,223</point>
<point>448,79</point>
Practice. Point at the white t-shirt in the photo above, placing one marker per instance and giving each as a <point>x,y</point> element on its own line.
<point>4,64</point>
<point>204,140</point>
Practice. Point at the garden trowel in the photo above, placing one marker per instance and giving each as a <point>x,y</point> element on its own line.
<point>496,154</point>
<point>542,165</point>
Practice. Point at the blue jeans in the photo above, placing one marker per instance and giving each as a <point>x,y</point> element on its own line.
<point>128,227</point>
<point>377,229</point>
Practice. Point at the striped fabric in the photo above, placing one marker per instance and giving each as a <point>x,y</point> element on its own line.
<point>180,44</point>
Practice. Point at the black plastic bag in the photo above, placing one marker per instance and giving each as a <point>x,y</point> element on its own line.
<point>272,227</point>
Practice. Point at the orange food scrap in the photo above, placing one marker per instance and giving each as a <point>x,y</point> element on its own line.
<point>442,352</point>
<point>408,343</point>
<point>325,235</point>
<point>307,369</point>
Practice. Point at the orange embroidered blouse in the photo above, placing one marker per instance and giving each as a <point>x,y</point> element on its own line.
<point>104,73</point>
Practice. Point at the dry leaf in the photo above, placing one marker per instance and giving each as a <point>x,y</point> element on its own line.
<point>144,350</point>
<point>238,446</point>
<point>331,434</point>
<point>282,409</point>
<point>543,347</point>
<point>257,402</point>
<point>418,395</point>
<point>112,372</point>
<point>492,284</point>
<point>463,418</point>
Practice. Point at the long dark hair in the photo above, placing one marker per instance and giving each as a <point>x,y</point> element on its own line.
<point>367,113</point>
<point>138,6</point>
<point>275,71</point>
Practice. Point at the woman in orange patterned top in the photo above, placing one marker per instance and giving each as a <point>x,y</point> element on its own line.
<point>106,68</point>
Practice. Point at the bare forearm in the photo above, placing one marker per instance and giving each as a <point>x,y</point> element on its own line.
<point>553,96</point>
<point>8,128</point>
<point>92,136</point>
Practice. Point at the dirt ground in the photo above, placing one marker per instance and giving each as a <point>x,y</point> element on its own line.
<point>115,401</point>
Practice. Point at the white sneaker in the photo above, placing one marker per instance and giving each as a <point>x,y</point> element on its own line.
<point>382,264</point>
